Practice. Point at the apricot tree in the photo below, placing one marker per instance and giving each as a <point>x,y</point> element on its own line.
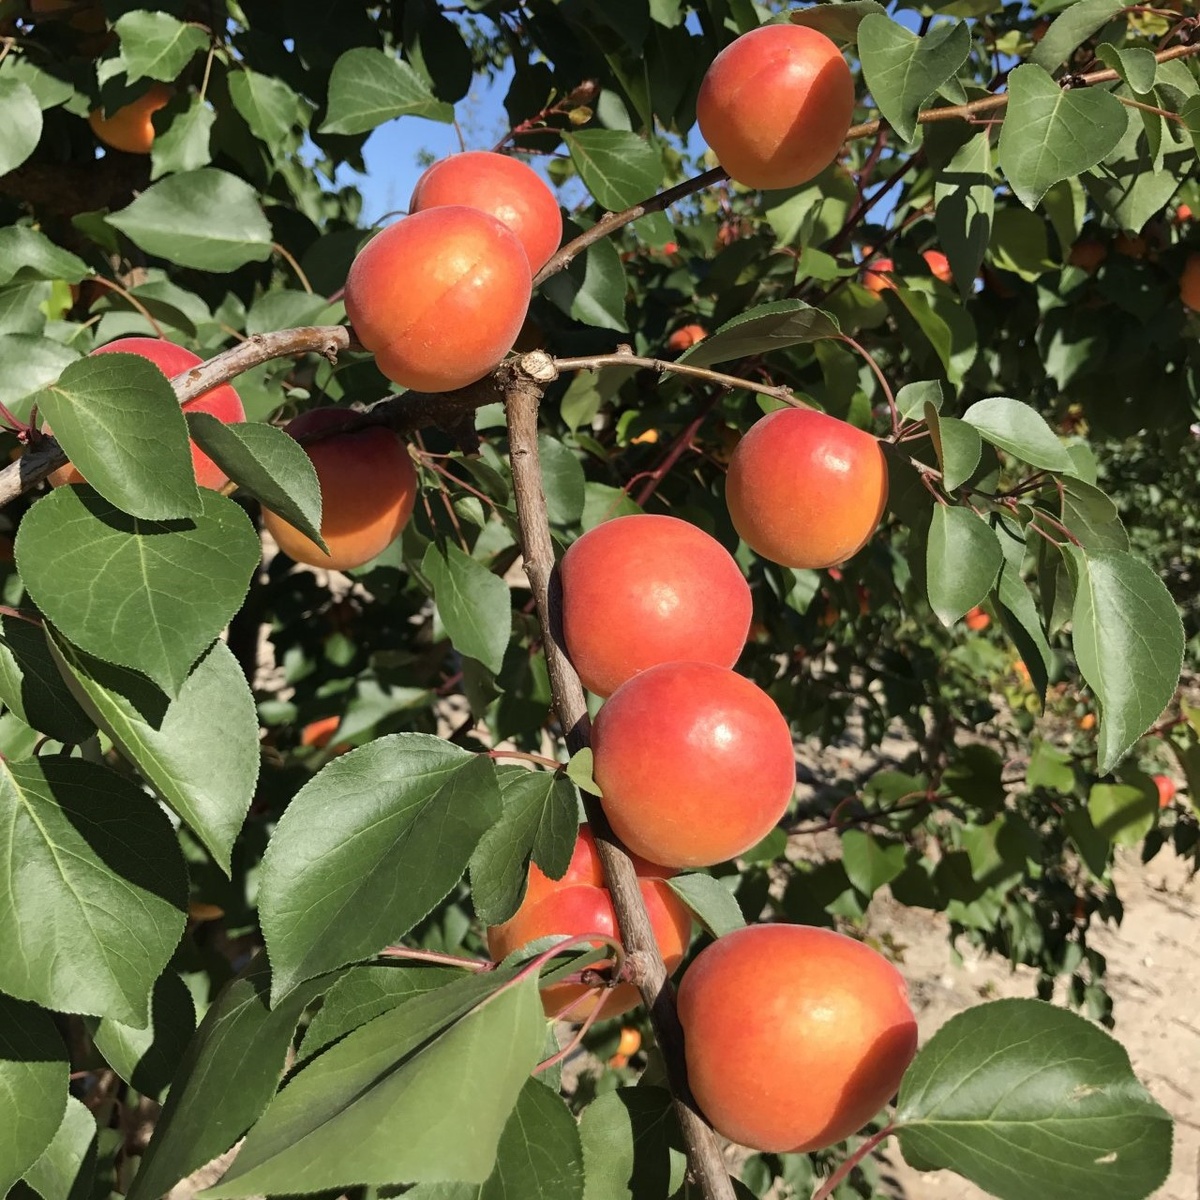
<point>836,429</point>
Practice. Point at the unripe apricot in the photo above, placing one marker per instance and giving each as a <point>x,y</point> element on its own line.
<point>775,105</point>
<point>368,488</point>
<point>1189,283</point>
<point>686,336</point>
<point>439,297</point>
<point>221,402</point>
<point>646,589</point>
<point>939,265</point>
<point>805,489</point>
<point>795,1037</point>
<point>131,128</point>
<point>505,187</point>
<point>694,763</point>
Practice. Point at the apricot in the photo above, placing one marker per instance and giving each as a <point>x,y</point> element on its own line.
<point>439,297</point>
<point>795,1037</point>
<point>939,265</point>
<point>1131,245</point>
<point>647,589</point>
<point>504,187</point>
<point>1166,789</point>
<point>878,278</point>
<point>221,402</point>
<point>694,763</point>
<point>685,336</point>
<point>805,489</point>
<point>1183,214</point>
<point>579,903</point>
<point>977,620</point>
<point>1189,283</point>
<point>775,105</point>
<point>1087,254</point>
<point>368,488</point>
<point>131,128</point>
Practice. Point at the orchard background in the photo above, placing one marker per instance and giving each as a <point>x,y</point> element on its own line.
<point>998,275</point>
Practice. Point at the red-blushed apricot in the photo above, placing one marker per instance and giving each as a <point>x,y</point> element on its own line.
<point>1183,214</point>
<point>1166,789</point>
<point>1087,254</point>
<point>775,105</point>
<point>977,620</point>
<point>439,297</point>
<point>686,336</point>
<point>131,128</point>
<point>795,1037</point>
<point>694,762</point>
<point>221,402</point>
<point>647,589</point>
<point>1189,283</point>
<point>805,489</point>
<point>368,488</point>
<point>877,278</point>
<point>939,265</point>
<point>505,187</point>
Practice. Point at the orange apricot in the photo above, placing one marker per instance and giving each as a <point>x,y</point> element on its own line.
<point>939,265</point>
<point>805,489</point>
<point>685,336</point>
<point>1189,283</point>
<point>439,297</point>
<point>1183,214</point>
<point>694,763</point>
<point>830,1038</point>
<point>504,187</point>
<point>1131,245</point>
<point>368,488</point>
<point>1166,789</point>
<point>130,128</point>
<point>977,620</point>
<point>648,589</point>
<point>775,105</point>
<point>1087,254</point>
<point>877,278</point>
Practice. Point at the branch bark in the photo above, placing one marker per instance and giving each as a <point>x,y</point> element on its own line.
<point>523,383</point>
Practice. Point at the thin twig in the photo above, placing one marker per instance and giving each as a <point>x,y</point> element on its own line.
<point>883,383</point>
<point>285,253</point>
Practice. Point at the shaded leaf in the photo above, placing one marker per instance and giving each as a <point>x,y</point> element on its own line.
<point>22,128</point>
<point>473,603</point>
<point>66,1168</point>
<point>32,687</point>
<point>710,900</point>
<point>762,329</point>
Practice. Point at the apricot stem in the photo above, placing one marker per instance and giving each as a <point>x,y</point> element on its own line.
<point>827,1188</point>
<point>132,300</point>
<point>883,383</point>
<point>576,1041</point>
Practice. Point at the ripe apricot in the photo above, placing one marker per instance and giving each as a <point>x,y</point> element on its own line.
<point>439,297</point>
<point>695,763</point>
<point>221,402</point>
<point>1088,254</point>
<point>368,488</point>
<point>131,128</point>
<point>504,187</point>
<point>795,1037</point>
<point>878,278</point>
<point>647,589</point>
<point>579,903</point>
<point>939,265</point>
<point>685,336</point>
<point>775,105</point>
<point>977,620</point>
<point>805,489</point>
<point>1189,283</point>
<point>1183,214</point>
<point>1132,245</point>
<point>1166,789</point>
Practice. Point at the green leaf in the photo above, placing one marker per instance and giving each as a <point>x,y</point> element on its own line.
<point>1050,134</point>
<point>1136,65</point>
<point>22,128</point>
<point>27,254</point>
<point>902,70</point>
<point>408,806</point>
<point>49,88</point>
<point>762,329</point>
<point>115,587</point>
<point>1020,430</point>
<point>184,146</point>
<point>1018,612</point>
<point>1021,243</point>
<point>93,888</point>
<point>206,219</point>
<point>262,460</point>
<point>1092,517</point>
<point>871,862</point>
<point>1074,25</point>
<point>912,398</point>
<point>962,560</point>
<point>441,1064</point>
<point>32,687</point>
<point>562,481</point>
<point>959,449</point>
<point>1025,1099</point>
<point>1128,641</point>
<point>539,820</point>
<point>474,604</point>
<point>225,1078</point>
<point>1123,813</point>
<point>619,168</point>
<point>34,1078</point>
<point>965,202</point>
<point>271,109</point>
<point>117,418</point>
<point>199,751</point>
<point>632,1147</point>
<point>581,771</point>
<point>66,1168</point>
<point>154,45</point>
<point>32,362</point>
<point>368,87</point>
<point>710,900</point>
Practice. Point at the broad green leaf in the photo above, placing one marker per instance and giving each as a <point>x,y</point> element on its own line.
<point>407,807</point>
<point>368,87</point>
<point>1020,430</point>
<point>271,109</point>
<point>965,202</point>
<point>34,1079</point>
<point>902,70</point>
<point>22,128</point>
<point>199,751</point>
<point>93,888</point>
<point>1092,517</point>
<point>206,219</point>
<point>581,771</point>
<point>473,603</point>
<point>1050,134</point>
<point>620,169</point>
<point>32,687</point>
<point>118,420</point>
<point>1136,65</point>
<point>710,900</point>
<point>962,561</point>
<point>433,1065</point>
<point>154,45</point>
<point>115,585</point>
<point>632,1147</point>
<point>225,1078</point>
<point>562,481</point>
<point>1123,813</point>
<point>958,447</point>
<point>262,460</point>
<point>184,146</point>
<point>539,820</point>
<point>1020,243</point>
<point>1025,1099</point>
<point>1018,611</point>
<point>767,327</point>
<point>912,398</point>
<point>49,88</point>
<point>1075,24</point>
<point>837,21</point>
<point>66,1168</point>
<point>871,862</point>
<point>595,286</point>
<point>1128,641</point>
<point>27,254</point>
<point>31,363</point>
